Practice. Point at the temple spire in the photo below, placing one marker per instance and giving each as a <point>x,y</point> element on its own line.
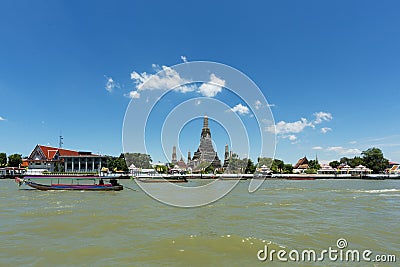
<point>205,123</point>
<point>205,132</point>
<point>173,155</point>
<point>205,152</point>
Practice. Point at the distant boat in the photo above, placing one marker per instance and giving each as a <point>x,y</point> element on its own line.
<point>80,185</point>
<point>161,178</point>
<point>299,178</point>
<point>375,177</point>
<point>231,177</point>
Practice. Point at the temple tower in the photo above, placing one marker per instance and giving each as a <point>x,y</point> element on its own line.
<point>174,161</point>
<point>206,152</point>
<point>226,159</point>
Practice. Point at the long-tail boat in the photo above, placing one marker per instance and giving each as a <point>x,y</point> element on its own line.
<point>80,184</point>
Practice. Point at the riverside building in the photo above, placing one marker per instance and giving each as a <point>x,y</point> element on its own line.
<point>55,159</point>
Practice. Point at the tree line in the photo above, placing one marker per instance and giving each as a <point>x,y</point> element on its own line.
<point>122,162</point>
<point>14,160</point>
<point>372,158</point>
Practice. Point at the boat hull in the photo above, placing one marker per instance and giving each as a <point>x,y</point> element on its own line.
<point>155,180</point>
<point>106,187</point>
<point>161,179</point>
<point>299,178</point>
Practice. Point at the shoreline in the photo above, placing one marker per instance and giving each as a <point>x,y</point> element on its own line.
<point>251,176</point>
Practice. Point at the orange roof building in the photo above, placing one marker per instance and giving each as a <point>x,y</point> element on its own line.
<point>64,160</point>
<point>301,165</point>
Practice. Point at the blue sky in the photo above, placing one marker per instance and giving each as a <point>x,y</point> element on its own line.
<point>340,58</point>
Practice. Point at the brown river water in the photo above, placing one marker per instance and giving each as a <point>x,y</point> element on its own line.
<point>129,228</point>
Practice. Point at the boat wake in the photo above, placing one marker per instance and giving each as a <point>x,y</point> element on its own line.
<point>378,191</point>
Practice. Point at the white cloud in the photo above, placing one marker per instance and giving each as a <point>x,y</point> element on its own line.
<point>258,105</point>
<point>322,116</point>
<point>167,79</point>
<point>289,128</point>
<point>134,94</point>
<point>239,108</point>
<point>343,151</point>
<point>317,148</point>
<point>291,137</point>
<point>325,129</point>
<point>156,67</point>
<point>111,84</point>
<point>353,142</point>
<point>184,59</point>
<point>283,127</point>
<point>213,87</point>
<point>2,118</point>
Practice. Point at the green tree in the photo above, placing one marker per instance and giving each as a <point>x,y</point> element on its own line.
<point>356,161</point>
<point>3,159</point>
<point>288,168</point>
<point>122,163</point>
<point>111,163</point>
<point>14,160</point>
<point>138,159</point>
<point>334,164</point>
<point>210,169</point>
<point>250,168</point>
<point>117,164</point>
<point>345,160</point>
<point>277,166</point>
<point>314,165</point>
<point>373,159</point>
<point>236,165</point>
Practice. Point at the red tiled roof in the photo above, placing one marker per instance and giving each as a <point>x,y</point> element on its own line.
<point>301,163</point>
<point>50,152</point>
<point>67,152</point>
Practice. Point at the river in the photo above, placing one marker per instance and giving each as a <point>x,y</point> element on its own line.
<point>129,228</point>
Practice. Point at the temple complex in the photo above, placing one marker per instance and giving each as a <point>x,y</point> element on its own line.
<point>204,153</point>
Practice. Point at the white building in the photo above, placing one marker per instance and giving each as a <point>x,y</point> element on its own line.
<point>55,159</point>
